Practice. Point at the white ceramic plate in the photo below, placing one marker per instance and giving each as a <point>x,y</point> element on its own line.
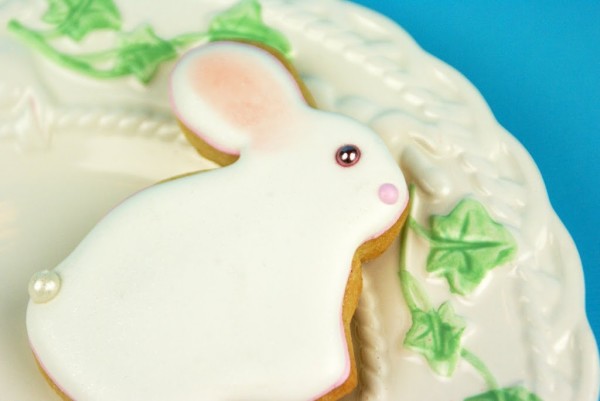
<point>72,147</point>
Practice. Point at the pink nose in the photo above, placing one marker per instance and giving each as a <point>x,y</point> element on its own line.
<point>388,193</point>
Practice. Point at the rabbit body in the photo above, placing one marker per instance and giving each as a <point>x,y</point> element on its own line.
<point>223,285</point>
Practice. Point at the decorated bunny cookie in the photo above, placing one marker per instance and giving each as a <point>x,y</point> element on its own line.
<point>237,283</point>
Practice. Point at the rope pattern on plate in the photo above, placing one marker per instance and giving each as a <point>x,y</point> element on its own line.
<point>121,121</point>
<point>38,130</point>
<point>371,346</point>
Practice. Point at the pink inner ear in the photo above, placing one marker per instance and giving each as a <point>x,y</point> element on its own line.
<point>241,89</point>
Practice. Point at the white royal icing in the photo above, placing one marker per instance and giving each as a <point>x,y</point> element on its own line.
<point>226,284</point>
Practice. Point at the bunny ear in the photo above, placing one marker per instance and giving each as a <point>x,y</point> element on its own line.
<point>231,95</point>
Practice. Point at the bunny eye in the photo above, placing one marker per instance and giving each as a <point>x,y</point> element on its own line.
<point>347,155</point>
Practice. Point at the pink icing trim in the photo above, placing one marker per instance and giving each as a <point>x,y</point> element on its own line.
<point>346,373</point>
<point>43,367</point>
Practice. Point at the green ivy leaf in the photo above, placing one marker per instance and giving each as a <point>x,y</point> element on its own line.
<point>437,335</point>
<point>506,394</point>
<point>141,52</point>
<point>77,18</point>
<point>244,21</point>
<point>466,244</point>
<point>58,11</point>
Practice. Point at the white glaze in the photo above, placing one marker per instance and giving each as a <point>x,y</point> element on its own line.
<point>219,285</point>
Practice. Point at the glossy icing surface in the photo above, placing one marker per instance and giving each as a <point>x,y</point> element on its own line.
<point>226,284</point>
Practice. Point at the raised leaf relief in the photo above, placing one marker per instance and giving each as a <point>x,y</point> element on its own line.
<point>465,245</point>
<point>244,22</point>
<point>437,334</point>
<point>141,52</point>
<point>77,18</point>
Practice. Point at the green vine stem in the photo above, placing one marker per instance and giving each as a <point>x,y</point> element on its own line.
<point>480,368</point>
<point>419,229</point>
<point>413,294</point>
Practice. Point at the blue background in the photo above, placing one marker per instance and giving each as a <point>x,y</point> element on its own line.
<point>537,64</point>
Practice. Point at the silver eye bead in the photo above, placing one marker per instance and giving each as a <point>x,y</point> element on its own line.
<point>347,155</point>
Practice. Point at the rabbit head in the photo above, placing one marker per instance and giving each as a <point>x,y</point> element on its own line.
<point>244,102</point>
